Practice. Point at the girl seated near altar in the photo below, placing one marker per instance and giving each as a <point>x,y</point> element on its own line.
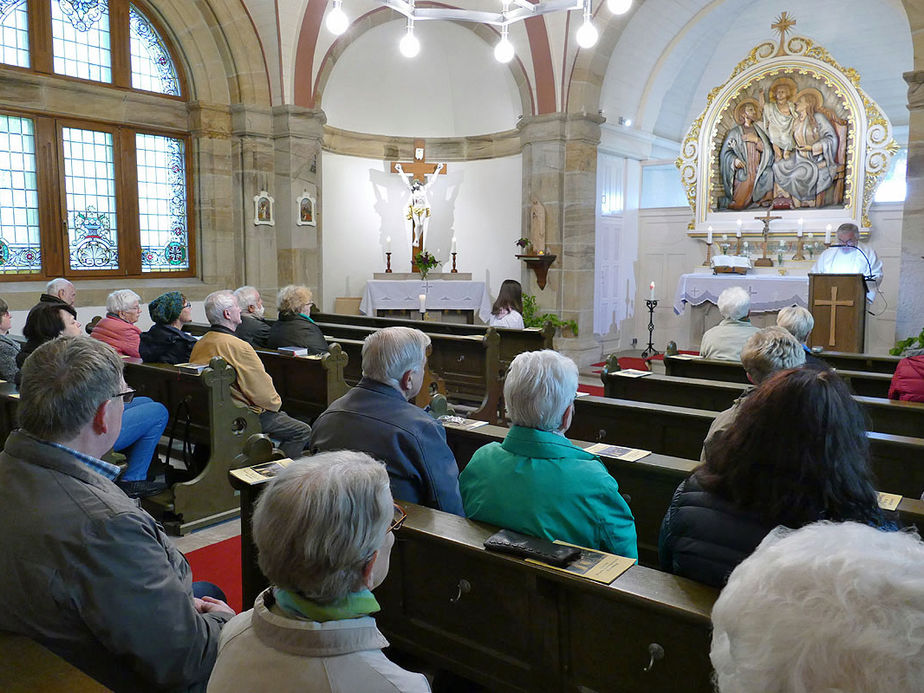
<point>507,310</point>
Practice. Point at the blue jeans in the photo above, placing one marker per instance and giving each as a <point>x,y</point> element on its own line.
<point>143,423</point>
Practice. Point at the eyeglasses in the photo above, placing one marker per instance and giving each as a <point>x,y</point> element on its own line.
<point>126,396</point>
<point>187,305</point>
<point>397,521</point>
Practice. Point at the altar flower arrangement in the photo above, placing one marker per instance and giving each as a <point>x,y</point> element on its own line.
<point>525,245</point>
<point>425,262</point>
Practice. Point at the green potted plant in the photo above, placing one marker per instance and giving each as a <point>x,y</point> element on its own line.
<point>532,318</point>
<point>525,246</point>
<point>911,343</point>
<point>426,262</point>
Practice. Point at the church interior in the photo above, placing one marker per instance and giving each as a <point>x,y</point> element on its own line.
<point>197,146</point>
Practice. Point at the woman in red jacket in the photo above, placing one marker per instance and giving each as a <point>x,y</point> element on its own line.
<point>908,381</point>
<point>118,329</point>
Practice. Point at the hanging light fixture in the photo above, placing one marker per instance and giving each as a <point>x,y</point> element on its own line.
<point>618,6</point>
<point>503,51</point>
<point>587,35</point>
<point>409,45</point>
<point>337,21</point>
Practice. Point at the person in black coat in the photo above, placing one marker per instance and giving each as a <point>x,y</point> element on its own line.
<point>796,454</point>
<point>293,327</point>
<point>254,329</point>
<point>166,342</point>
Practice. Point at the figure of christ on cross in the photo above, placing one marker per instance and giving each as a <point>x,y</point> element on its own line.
<point>765,261</point>
<point>418,176</point>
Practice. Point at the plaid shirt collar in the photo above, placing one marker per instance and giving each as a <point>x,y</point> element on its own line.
<point>110,471</point>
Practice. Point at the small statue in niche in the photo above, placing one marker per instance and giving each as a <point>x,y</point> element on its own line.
<point>537,226</point>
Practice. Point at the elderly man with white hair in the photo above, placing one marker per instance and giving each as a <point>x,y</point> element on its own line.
<point>252,386</point>
<point>59,290</point>
<point>537,482</point>
<point>850,256</point>
<point>799,322</point>
<point>828,607</point>
<point>253,328</point>
<point>768,350</point>
<point>324,528</point>
<point>377,417</point>
<point>724,341</point>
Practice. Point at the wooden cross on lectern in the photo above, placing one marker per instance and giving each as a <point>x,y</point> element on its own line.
<point>834,303</point>
<point>418,169</point>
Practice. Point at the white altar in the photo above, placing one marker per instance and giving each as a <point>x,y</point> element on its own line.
<point>441,295</point>
<point>769,292</point>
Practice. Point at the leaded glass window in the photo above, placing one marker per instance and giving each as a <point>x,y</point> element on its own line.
<point>80,39</point>
<point>14,33</point>
<point>152,68</point>
<point>20,242</point>
<point>162,203</point>
<point>89,184</point>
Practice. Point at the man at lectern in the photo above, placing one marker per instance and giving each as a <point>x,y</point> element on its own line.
<point>849,256</point>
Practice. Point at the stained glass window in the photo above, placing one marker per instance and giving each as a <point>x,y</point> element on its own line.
<point>152,68</point>
<point>162,203</point>
<point>14,33</point>
<point>89,185</point>
<point>80,39</point>
<point>19,228</point>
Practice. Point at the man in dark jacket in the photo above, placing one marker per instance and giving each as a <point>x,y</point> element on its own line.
<point>376,417</point>
<point>253,328</point>
<point>59,290</point>
<point>83,569</point>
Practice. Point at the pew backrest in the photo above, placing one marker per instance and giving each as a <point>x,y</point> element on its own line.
<point>309,385</point>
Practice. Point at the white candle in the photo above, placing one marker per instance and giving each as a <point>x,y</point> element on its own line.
<point>387,244</point>
<point>709,236</point>
<point>651,287</point>
<point>828,234</point>
<point>801,223</point>
<point>453,245</point>
<point>738,224</point>
<point>423,302</point>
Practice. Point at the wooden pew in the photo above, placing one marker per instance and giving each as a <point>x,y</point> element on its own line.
<point>867,384</point>
<point>897,461</point>
<point>869,363</point>
<point>215,419</point>
<point>885,416</point>
<point>26,666</point>
<point>511,625</point>
<point>307,386</point>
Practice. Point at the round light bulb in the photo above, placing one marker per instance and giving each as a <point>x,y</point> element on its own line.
<point>409,45</point>
<point>618,6</point>
<point>337,21</point>
<point>587,35</point>
<point>503,51</point>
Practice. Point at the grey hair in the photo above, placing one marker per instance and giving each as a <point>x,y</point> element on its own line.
<point>853,228</point>
<point>63,383</point>
<point>4,307</point>
<point>391,352</point>
<point>734,303</point>
<point>538,388</point>
<point>798,321</point>
<point>55,285</point>
<point>246,296</point>
<point>216,303</point>
<point>291,298</point>
<point>121,300</point>
<point>769,350</point>
<point>319,521</point>
<point>828,607</point>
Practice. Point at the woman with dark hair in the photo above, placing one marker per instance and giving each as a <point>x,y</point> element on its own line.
<point>797,454</point>
<point>9,347</point>
<point>507,310</point>
<point>166,342</point>
<point>143,419</point>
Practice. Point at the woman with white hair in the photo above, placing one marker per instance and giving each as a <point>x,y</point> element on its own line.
<point>725,340</point>
<point>537,482</point>
<point>324,531</point>
<point>118,329</point>
<point>829,607</point>
<point>799,322</point>
<point>294,326</point>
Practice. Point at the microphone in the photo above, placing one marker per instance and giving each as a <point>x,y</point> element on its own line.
<point>869,277</point>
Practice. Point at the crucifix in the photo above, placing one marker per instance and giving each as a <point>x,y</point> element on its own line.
<point>834,303</point>
<point>418,176</point>
<point>765,261</point>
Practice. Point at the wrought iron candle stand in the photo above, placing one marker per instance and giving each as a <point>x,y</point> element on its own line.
<point>650,351</point>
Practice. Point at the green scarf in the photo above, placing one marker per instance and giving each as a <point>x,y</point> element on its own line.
<point>308,318</point>
<point>354,605</point>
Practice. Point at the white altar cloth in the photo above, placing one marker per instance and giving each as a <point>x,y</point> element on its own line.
<point>441,295</point>
<point>769,292</point>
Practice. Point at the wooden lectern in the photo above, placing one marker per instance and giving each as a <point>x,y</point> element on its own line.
<point>838,304</point>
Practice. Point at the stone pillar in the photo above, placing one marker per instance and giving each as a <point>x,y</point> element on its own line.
<point>560,169</point>
<point>298,133</point>
<point>253,155</point>
<point>910,309</point>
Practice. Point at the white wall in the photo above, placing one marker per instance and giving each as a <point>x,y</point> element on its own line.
<point>479,202</point>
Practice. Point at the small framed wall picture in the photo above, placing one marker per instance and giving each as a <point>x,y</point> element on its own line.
<point>305,212</point>
<point>263,209</point>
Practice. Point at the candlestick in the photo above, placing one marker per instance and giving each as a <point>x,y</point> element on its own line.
<point>650,351</point>
<point>388,262</point>
<point>453,270</point>
<point>708,261</point>
<point>799,246</point>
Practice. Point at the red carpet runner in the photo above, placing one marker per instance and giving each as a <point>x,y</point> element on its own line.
<point>221,564</point>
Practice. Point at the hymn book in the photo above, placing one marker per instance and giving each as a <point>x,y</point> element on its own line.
<point>617,452</point>
<point>598,566</point>
<point>259,473</point>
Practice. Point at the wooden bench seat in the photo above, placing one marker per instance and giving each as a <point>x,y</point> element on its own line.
<point>27,667</point>
<point>870,363</point>
<point>307,386</point>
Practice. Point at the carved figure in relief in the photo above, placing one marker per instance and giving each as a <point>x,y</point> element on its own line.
<point>746,160</point>
<point>779,114</point>
<point>537,225</point>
